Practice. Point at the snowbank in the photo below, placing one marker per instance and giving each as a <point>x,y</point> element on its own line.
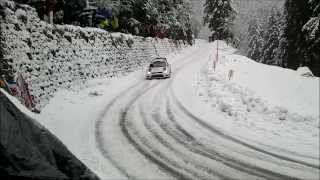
<point>281,87</point>
<point>51,57</point>
<point>268,105</point>
<point>305,71</point>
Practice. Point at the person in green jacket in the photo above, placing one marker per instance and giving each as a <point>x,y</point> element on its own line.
<point>104,24</point>
<point>110,24</point>
<point>114,23</point>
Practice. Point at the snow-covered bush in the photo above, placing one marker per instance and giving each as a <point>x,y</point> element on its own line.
<point>305,71</point>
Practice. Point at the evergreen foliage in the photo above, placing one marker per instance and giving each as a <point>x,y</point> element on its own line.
<point>290,38</point>
<point>219,15</point>
<point>256,41</point>
<point>72,8</point>
<point>302,32</point>
<point>267,42</point>
<point>271,49</point>
<point>312,37</point>
<point>162,18</point>
<point>155,18</point>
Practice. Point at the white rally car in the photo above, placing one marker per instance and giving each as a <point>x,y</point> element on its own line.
<point>158,68</point>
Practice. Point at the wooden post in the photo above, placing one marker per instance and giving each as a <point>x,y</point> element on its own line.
<point>217,57</point>
<point>230,74</point>
<point>51,17</point>
<point>49,7</point>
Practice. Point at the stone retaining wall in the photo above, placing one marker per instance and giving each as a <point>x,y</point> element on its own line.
<point>56,56</point>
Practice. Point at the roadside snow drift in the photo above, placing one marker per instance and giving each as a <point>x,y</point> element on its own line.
<point>269,105</point>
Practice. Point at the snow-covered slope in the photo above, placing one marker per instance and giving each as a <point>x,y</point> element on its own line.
<point>272,106</point>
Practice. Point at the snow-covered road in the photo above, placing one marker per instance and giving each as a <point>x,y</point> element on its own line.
<point>160,129</point>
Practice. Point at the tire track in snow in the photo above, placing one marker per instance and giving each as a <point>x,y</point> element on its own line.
<point>99,137</point>
<point>177,153</point>
<point>180,134</point>
<point>223,134</point>
<point>201,149</point>
<point>210,153</point>
<point>156,117</point>
<point>132,141</point>
<point>126,131</point>
<point>98,130</point>
<point>239,165</point>
<point>164,142</point>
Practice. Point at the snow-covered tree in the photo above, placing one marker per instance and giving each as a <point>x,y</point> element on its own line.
<point>248,11</point>
<point>272,38</point>
<point>219,15</point>
<point>183,19</point>
<point>281,53</point>
<point>312,36</point>
<point>169,18</point>
<point>291,38</point>
<point>267,41</point>
<point>312,26</point>
<point>301,31</point>
<point>256,41</point>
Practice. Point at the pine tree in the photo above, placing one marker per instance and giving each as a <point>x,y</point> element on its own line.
<point>170,17</point>
<point>161,18</point>
<point>281,53</point>
<point>256,41</point>
<point>298,14</point>
<point>272,34</point>
<point>219,15</point>
<point>267,41</point>
<point>72,8</point>
<point>312,36</point>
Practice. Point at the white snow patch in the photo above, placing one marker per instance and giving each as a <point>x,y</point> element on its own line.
<point>269,105</point>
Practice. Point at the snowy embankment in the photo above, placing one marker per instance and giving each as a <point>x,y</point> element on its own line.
<point>274,108</point>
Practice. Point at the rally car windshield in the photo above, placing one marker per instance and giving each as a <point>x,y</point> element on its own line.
<point>158,64</point>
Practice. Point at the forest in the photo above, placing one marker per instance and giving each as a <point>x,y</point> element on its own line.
<point>162,18</point>
<point>285,35</point>
<point>288,36</point>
